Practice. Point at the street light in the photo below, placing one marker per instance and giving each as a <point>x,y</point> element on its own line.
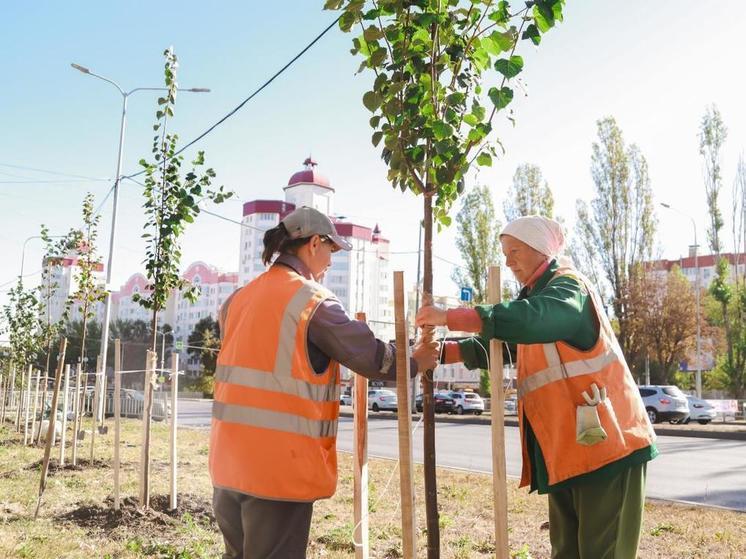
<point>23,250</point>
<point>107,301</point>
<point>698,377</point>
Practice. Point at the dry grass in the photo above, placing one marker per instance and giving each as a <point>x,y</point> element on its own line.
<point>75,521</point>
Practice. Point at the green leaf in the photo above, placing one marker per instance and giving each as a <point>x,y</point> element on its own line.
<point>372,101</point>
<point>442,130</point>
<point>532,32</point>
<point>376,139</point>
<point>372,33</point>
<point>480,58</point>
<point>509,68</point>
<point>502,97</point>
<point>455,99</point>
<point>484,159</point>
<point>471,119</point>
<point>504,40</point>
<point>543,16</point>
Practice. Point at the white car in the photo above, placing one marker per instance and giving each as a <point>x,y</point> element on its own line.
<point>467,402</point>
<point>345,399</point>
<point>664,403</point>
<point>381,399</point>
<point>700,411</point>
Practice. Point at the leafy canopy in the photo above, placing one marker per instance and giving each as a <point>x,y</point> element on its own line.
<point>431,115</point>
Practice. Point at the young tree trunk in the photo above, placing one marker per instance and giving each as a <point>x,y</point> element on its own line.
<point>428,408</point>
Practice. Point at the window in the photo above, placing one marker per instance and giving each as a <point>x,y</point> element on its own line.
<point>645,392</point>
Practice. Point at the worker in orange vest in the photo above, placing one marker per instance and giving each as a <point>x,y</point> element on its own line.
<point>585,434</point>
<point>277,390</point>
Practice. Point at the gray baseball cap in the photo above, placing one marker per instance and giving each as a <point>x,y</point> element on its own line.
<point>306,222</point>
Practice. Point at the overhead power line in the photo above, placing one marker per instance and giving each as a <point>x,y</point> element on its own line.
<point>255,93</point>
<point>58,173</point>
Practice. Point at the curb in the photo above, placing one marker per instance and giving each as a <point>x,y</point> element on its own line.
<point>511,421</point>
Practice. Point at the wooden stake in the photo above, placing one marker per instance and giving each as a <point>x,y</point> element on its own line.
<point>4,381</point>
<point>94,407</point>
<point>499,474</point>
<point>117,413</point>
<point>50,429</point>
<point>34,436</point>
<point>77,412</point>
<point>19,402</point>
<point>174,415</point>
<point>27,405</point>
<point>360,462</point>
<point>42,404</point>
<point>65,396</point>
<point>404,414</point>
<point>11,389</point>
<point>146,417</point>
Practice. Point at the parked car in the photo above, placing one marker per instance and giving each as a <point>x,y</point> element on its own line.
<point>664,403</point>
<point>700,411</point>
<point>443,403</point>
<point>132,403</point>
<point>467,402</point>
<point>511,406</point>
<point>381,399</point>
<point>345,399</point>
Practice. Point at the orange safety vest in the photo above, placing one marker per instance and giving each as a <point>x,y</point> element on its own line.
<point>551,380</point>
<point>274,419</point>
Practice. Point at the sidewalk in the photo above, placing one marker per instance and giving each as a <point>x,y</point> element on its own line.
<point>731,430</point>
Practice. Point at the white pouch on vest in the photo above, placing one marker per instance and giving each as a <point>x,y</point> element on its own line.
<point>588,429</point>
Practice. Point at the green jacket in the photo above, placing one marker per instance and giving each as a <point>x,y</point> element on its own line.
<point>562,311</point>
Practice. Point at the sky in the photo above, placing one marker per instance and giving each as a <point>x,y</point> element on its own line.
<point>654,66</point>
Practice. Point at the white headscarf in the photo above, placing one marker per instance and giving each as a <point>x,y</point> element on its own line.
<point>540,233</point>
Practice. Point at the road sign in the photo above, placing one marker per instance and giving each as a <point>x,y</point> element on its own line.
<point>467,294</point>
<point>179,345</point>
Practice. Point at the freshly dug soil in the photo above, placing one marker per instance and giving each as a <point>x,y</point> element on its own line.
<point>83,464</point>
<point>130,517</point>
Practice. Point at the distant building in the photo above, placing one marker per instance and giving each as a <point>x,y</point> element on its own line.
<point>360,278</point>
<point>707,264</point>
<point>61,278</point>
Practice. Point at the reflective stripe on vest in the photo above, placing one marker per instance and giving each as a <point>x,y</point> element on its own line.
<point>559,371</point>
<point>286,384</point>
<point>278,421</point>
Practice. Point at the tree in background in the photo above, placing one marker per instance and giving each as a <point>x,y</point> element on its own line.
<point>433,116</point>
<point>529,194</point>
<point>20,315</point>
<point>662,321</point>
<point>204,342</point>
<point>616,232</point>
<point>712,135</point>
<point>477,241</point>
<point>729,314</point>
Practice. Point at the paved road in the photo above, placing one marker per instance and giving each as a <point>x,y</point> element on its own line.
<point>706,471</point>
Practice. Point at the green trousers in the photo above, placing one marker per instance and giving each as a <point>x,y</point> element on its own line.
<point>599,519</point>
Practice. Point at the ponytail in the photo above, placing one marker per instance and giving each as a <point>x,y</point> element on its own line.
<point>277,240</point>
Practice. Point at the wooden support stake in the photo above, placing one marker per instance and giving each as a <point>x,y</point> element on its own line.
<point>27,405</point>
<point>360,462</point>
<point>50,429</point>
<point>42,403</point>
<point>146,417</point>
<point>404,414</point>
<point>77,411</point>
<point>34,436</point>
<point>65,404</point>
<point>499,474</point>
<point>94,408</point>
<point>19,402</point>
<point>117,414</point>
<point>174,416</point>
<point>11,390</point>
<point>4,381</point>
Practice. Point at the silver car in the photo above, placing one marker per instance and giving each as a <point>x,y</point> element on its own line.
<point>664,403</point>
<point>700,411</point>
<point>381,399</point>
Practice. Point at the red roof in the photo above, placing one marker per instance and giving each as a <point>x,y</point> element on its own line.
<point>268,206</point>
<point>309,176</point>
<point>703,261</point>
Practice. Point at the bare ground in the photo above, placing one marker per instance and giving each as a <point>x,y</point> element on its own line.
<point>77,519</point>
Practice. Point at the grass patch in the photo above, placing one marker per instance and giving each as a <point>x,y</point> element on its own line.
<point>77,520</point>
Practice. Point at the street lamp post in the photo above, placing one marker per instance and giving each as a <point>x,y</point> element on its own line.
<point>698,288</point>
<point>110,260</point>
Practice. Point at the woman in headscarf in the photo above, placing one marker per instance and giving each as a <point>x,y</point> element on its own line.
<point>585,435</point>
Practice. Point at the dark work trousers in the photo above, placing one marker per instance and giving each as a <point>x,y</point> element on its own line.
<point>256,528</point>
<point>600,519</point>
